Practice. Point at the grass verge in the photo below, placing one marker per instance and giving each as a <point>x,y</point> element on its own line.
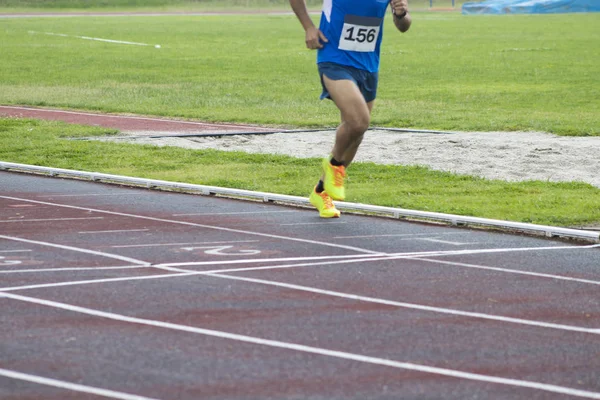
<point>449,72</point>
<point>45,143</point>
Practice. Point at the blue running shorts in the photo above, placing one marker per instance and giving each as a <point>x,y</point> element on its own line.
<point>365,80</point>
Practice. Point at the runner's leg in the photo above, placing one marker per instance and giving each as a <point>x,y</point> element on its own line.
<point>355,114</point>
<point>350,152</point>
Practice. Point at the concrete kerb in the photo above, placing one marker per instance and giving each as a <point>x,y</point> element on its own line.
<point>365,209</point>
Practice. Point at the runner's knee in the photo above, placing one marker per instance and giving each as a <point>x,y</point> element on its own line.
<point>358,123</point>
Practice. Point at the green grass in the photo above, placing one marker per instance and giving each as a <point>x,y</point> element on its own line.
<point>526,72</point>
<point>195,5</point>
<point>453,72</point>
<point>45,143</point>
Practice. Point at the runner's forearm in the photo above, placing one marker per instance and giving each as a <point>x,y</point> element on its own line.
<point>301,11</point>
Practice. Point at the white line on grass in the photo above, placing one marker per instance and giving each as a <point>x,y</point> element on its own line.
<point>70,386</point>
<point>14,251</point>
<point>78,249</point>
<point>310,349</point>
<point>219,228</point>
<point>95,39</point>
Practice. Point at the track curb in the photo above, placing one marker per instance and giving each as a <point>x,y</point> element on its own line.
<point>357,208</point>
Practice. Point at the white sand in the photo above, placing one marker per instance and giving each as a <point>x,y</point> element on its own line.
<point>510,156</point>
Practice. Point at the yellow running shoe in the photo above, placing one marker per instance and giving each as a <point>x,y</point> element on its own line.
<point>324,204</point>
<point>334,180</point>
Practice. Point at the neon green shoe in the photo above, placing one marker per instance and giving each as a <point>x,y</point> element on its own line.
<point>324,204</point>
<point>334,180</point>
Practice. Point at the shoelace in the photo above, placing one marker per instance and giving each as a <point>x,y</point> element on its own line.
<point>326,200</point>
<point>339,172</point>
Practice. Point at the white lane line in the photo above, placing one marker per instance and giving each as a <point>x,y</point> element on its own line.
<point>70,386</point>
<point>93,281</point>
<point>14,271</point>
<point>443,241</point>
<point>90,195</point>
<point>315,223</point>
<point>77,249</point>
<point>165,276</point>
<point>493,250</point>
<point>360,257</point>
<point>237,213</point>
<point>219,228</point>
<point>14,251</point>
<point>310,349</point>
<point>95,39</point>
<point>50,219</point>
<point>420,307</point>
<point>121,246</point>
<point>258,128</point>
<point>398,235</point>
<point>507,270</point>
<point>117,231</point>
<point>172,267</point>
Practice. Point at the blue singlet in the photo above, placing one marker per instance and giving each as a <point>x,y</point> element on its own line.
<point>354,30</point>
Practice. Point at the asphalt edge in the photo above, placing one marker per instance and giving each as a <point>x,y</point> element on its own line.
<point>355,208</point>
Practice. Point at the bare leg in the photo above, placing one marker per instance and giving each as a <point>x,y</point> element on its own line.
<point>350,152</point>
<point>355,114</point>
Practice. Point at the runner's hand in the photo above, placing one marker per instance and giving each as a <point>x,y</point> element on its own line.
<point>314,37</point>
<point>399,7</point>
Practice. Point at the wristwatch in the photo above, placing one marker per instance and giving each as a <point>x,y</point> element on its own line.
<point>401,15</point>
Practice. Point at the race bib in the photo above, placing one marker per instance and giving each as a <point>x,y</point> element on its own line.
<point>360,33</point>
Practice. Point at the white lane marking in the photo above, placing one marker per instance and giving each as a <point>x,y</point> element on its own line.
<point>219,228</point>
<point>236,213</point>
<point>14,251</point>
<point>183,244</point>
<point>70,386</point>
<point>164,267</point>
<point>398,235</point>
<point>413,306</point>
<point>510,271</point>
<point>80,250</point>
<point>118,231</point>
<point>315,223</point>
<point>258,128</point>
<point>492,251</point>
<point>443,241</point>
<point>360,257</point>
<point>171,267</point>
<point>8,262</point>
<point>13,271</point>
<point>220,250</point>
<point>90,194</point>
<point>92,281</point>
<point>95,39</point>
<point>50,219</point>
<point>310,349</point>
